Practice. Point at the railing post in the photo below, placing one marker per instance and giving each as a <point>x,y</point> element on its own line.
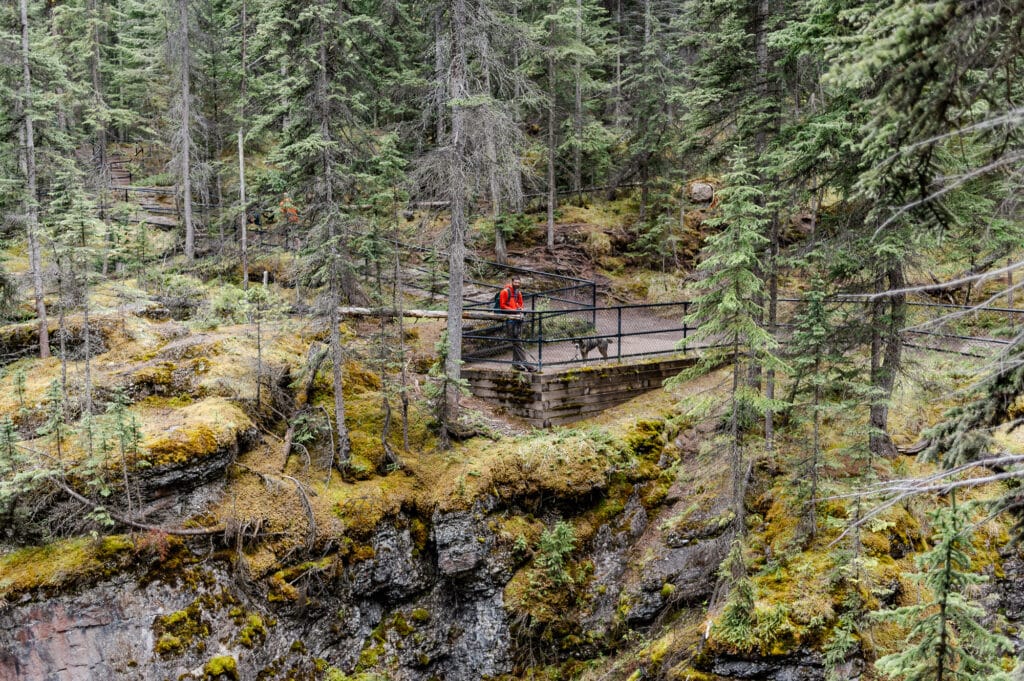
<point>618,334</point>
<point>593,305</point>
<point>540,342</point>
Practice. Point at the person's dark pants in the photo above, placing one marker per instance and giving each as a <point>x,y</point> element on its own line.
<point>514,331</point>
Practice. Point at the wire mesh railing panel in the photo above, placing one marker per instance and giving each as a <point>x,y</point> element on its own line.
<point>571,334</point>
<point>579,334</point>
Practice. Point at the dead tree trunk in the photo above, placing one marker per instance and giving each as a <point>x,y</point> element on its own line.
<point>458,92</point>
<point>244,212</point>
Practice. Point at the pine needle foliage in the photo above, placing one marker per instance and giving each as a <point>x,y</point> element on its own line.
<point>949,637</point>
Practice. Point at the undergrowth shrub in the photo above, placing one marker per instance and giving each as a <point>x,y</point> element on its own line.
<point>554,547</point>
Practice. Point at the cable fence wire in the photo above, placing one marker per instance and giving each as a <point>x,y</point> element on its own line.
<point>554,332</point>
<point>941,327</point>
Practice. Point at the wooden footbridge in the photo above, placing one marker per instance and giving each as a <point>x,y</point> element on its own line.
<point>560,382</point>
<point>580,359</point>
<point>563,395</point>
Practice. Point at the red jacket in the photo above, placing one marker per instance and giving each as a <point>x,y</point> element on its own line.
<point>510,299</point>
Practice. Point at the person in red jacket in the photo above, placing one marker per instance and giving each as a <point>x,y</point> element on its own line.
<point>510,300</point>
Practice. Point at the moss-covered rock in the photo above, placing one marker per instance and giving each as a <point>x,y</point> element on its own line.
<point>197,431</point>
<point>63,564</point>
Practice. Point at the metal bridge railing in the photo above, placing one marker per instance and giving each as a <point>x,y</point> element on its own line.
<point>570,336</point>
<point>580,334</point>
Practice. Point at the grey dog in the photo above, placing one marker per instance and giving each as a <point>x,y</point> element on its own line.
<point>585,345</point>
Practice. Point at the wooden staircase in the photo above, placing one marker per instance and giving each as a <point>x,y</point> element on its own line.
<point>151,205</point>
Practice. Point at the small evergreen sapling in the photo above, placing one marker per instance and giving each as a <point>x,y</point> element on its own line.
<point>738,621</point>
<point>947,636</point>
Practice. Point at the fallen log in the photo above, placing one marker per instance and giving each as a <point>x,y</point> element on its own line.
<point>429,314</point>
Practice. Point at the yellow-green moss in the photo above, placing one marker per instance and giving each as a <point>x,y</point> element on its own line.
<point>645,438</point>
<point>420,534</point>
<point>280,582</point>
<point>368,657</point>
<point>168,644</point>
<point>180,630</point>
<point>420,615</point>
<point>220,667</point>
<point>358,379</point>
<point>401,625</point>
<point>254,631</point>
<point>194,432</point>
<point>63,563</point>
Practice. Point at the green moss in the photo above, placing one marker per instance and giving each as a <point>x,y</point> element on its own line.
<point>253,632</point>
<point>369,657</point>
<point>220,667</point>
<point>655,492</point>
<point>401,625</point>
<point>645,437</point>
<point>420,533</point>
<point>63,564</point>
<point>281,588</point>
<point>194,432</point>
<point>168,644</point>
<point>181,630</point>
<point>420,615</point>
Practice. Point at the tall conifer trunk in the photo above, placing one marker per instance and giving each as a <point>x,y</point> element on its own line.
<point>552,195</point>
<point>459,90</point>
<point>337,266</point>
<point>184,137</point>
<point>500,251</point>
<point>32,198</point>
<point>887,318</point>
<point>244,211</point>
<point>577,121</point>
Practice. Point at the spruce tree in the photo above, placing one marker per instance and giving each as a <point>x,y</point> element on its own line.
<point>948,635</point>
<point>726,310</point>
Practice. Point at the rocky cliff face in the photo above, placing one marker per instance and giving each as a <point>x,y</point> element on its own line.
<point>416,599</point>
<point>552,550</point>
<point>405,604</point>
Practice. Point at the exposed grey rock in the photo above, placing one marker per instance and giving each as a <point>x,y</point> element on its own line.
<point>393,571</point>
<point>701,192</point>
<point>464,543</point>
<point>610,545</point>
<point>684,574</point>
<point>1011,586</point>
<point>806,666</point>
<point>458,550</point>
<point>101,633</point>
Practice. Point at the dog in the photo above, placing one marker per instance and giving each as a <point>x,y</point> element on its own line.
<point>585,345</point>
